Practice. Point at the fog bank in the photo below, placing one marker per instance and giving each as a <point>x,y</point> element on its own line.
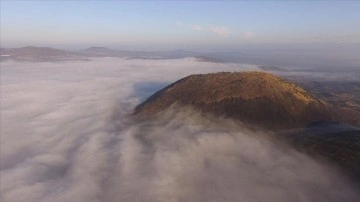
<point>66,135</point>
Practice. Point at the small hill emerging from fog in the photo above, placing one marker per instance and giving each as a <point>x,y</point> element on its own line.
<point>255,98</point>
<point>98,50</point>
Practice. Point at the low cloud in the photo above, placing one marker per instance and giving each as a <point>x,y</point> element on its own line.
<point>67,135</point>
<point>198,28</point>
<point>219,30</point>
<point>215,29</point>
<point>249,35</point>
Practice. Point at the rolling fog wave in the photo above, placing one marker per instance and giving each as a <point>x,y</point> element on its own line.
<point>66,135</point>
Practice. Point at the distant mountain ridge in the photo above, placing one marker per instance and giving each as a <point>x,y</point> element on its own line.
<point>40,54</point>
<point>36,54</point>
<point>34,50</point>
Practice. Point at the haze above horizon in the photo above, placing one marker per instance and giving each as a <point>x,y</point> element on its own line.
<point>180,24</point>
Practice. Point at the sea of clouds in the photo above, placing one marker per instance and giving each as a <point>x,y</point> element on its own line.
<point>67,135</point>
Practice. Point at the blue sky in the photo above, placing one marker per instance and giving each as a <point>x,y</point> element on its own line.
<point>178,24</point>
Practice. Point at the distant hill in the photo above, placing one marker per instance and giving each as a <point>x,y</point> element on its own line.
<point>33,53</point>
<point>98,50</point>
<point>272,68</point>
<point>177,54</point>
<point>102,51</point>
<point>208,59</point>
<point>106,52</point>
<point>255,98</point>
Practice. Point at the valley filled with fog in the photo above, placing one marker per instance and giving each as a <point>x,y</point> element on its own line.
<point>67,134</point>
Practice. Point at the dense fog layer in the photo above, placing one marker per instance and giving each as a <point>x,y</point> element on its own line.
<point>67,135</point>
